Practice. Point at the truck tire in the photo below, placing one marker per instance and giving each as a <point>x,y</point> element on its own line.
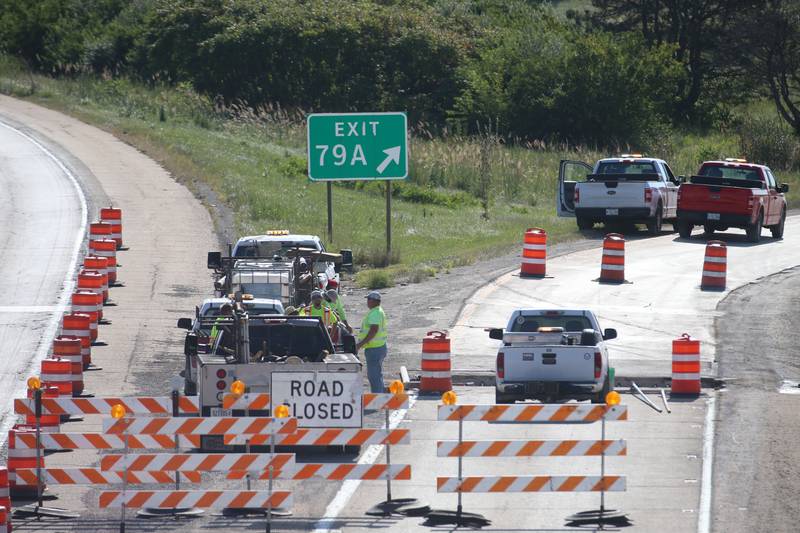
<point>600,397</point>
<point>584,223</point>
<point>708,230</point>
<point>754,230</point>
<point>684,229</point>
<point>777,229</point>
<point>499,397</point>
<point>655,223</point>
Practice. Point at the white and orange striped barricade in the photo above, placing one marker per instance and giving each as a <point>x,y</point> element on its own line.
<point>68,347</point>
<point>113,216</point>
<point>200,426</point>
<point>260,401</point>
<point>22,458</point>
<point>203,499</point>
<point>612,265</point>
<point>88,303</point>
<point>335,472</point>
<point>79,325</point>
<point>685,365</point>
<point>106,248</point>
<point>5,519</point>
<point>99,285</point>
<point>715,266</point>
<point>47,422</point>
<point>96,476</point>
<point>329,437</point>
<point>526,414</point>
<point>196,462</point>
<point>136,406</point>
<point>5,495</point>
<point>534,253</point>
<point>435,374</point>
<point>531,484</point>
<point>97,441</point>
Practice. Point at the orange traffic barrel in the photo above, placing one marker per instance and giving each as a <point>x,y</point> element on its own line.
<point>99,264</point>
<point>715,266</point>
<point>106,248</point>
<point>5,519</point>
<point>83,297</point>
<point>68,347</point>
<point>94,281</point>
<point>612,267</point>
<point>534,253</point>
<point>21,458</point>
<point>685,365</point>
<point>78,325</point>
<point>436,373</point>
<point>99,230</point>
<point>5,495</point>
<point>89,303</point>
<point>57,373</point>
<point>113,216</point>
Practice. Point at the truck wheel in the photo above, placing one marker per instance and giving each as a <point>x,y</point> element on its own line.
<point>777,230</point>
<point>708,230</point>
<point>584,223</point>
<point>499,397</point>
<point>684,229</point>
<point>654,224</point>
<point>754,230</point>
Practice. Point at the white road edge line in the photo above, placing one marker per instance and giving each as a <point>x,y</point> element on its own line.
<point>49,334</point>
<point>348,488</point>
<point>704,518</point>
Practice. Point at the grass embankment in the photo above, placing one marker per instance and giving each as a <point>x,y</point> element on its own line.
<point>256,164</point>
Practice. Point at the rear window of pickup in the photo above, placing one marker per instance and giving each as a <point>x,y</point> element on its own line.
<point>630,167</point>
<point>531,324</point>
<point>730,173</point>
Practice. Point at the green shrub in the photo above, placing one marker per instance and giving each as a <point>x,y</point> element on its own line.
<point>374,279</point>
<point>769,140</point>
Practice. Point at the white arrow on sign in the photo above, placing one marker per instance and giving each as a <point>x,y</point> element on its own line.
<point>392,156</point>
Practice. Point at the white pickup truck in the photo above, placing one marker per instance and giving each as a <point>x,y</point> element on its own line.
<point>629,188</point>
<point>551,356</point>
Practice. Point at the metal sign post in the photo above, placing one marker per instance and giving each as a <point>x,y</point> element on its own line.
<point>388,222</point>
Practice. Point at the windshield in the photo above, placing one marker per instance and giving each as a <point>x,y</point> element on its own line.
<point>271,248</point>
<point>730,173</point>
<point>626,167</point>
<point>531,324</point>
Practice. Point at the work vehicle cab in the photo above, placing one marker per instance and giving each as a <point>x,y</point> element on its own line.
<point>732,194</point>
<point>552,355</point>
<point>279,243</point>
<point>628,188</point>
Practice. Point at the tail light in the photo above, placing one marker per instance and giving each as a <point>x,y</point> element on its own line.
<point>221,385</point>
<point>648,195</point>
<point>332,284</point>
<point>598,365</point>
<point>501,365</point>
<point>221,373</point>
<point>576,196</point>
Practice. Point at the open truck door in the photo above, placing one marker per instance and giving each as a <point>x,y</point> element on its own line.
<point>569,173</point>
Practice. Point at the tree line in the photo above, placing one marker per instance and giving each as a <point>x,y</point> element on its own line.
<point>614,72</point>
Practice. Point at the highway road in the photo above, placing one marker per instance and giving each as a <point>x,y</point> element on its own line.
<point>162,277</point>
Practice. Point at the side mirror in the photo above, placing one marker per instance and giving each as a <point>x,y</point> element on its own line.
<point>609,334</point>
<point>784,187</point>
<point>185,323</point>
<point>496,334</point>
<point>214,260</point>
<point>190,345</point>
<point>681,179</point>
<point>337,267</point>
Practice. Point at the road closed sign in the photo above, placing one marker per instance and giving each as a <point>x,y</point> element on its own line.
<point>357,146</point>
<point>320,399</point>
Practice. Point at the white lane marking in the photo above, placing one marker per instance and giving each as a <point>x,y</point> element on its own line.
<point>704,518</point>
<point>28,308</point>
<point>58,310</point>
<point>348,488</point>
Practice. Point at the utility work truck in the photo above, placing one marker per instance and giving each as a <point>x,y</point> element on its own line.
<point>552,356</point>
<point>629,188</point>
<point>290,357</point>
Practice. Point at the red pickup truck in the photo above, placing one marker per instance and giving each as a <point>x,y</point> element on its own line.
<point>732,194</point>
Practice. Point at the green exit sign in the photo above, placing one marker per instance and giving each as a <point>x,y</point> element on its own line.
<point>357,146</point>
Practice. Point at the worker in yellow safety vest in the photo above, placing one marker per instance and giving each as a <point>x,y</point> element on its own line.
<point>372,337</point>
<point>334,301</point>
<point>329,317</point>
<point>225,311</point>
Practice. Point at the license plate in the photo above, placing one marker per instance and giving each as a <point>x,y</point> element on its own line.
<point>713,216</point>
<point>219,411</point>
<point>612,211</point>
<point>527,357</point>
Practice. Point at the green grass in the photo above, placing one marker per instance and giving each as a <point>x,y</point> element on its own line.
<point>255,162</point>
